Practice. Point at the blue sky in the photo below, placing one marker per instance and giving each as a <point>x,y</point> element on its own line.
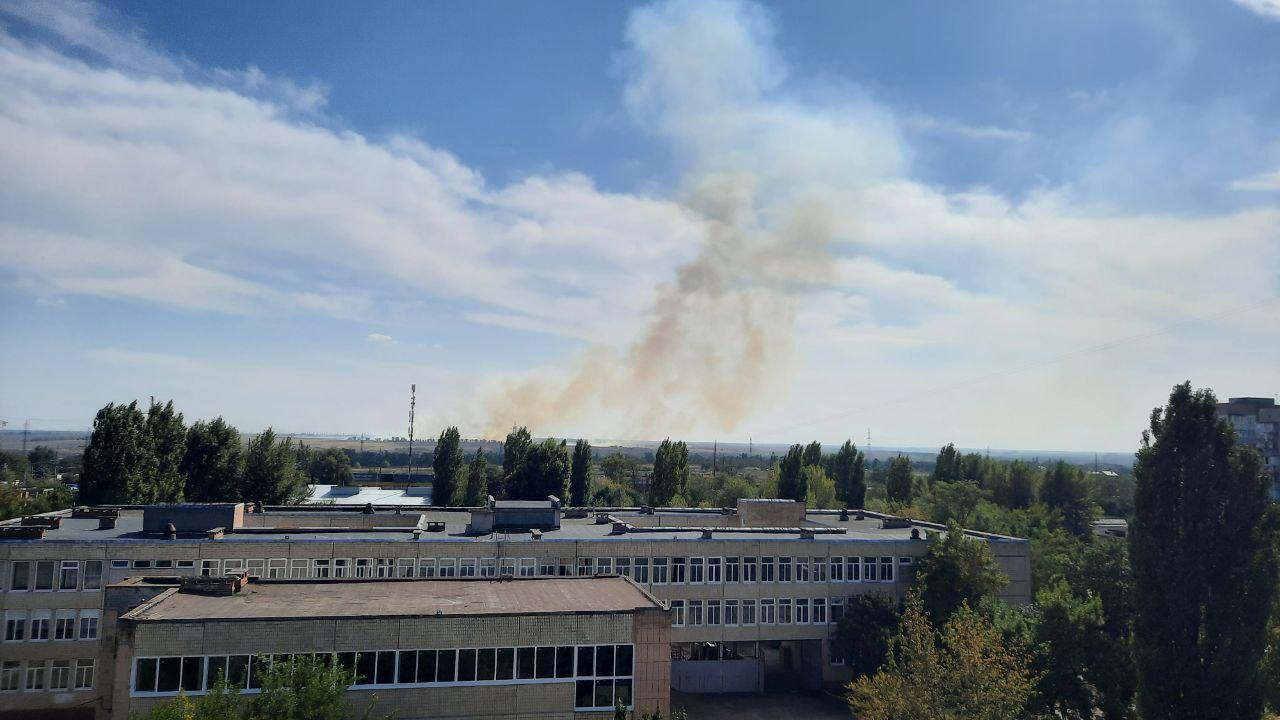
<point>1004,224</point>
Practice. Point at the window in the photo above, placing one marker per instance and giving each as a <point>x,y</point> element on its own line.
<point>528,567</point>
<point>819,611</point>
<point>69,575</point>
<point>320,568</point>
<point>341,567</point>
<point>837,610</point>
<point>802,611</point>
<point>427,567</point>
<point>604,566</point>
<point>64,625</point>
<point>467,567</point>
<point>695,612</point>
<point>60,675</point>
<point>488,567</point>
<point>766,569</point>
<point>298,569</point>
<point>730,612</point>
<point>623,565</point>
<point>784,611</point>
<point>852,570</point>
<point>547,567</point>
<point>119,564</point>
<point>35,675</point>
<point>186,564</point>
<point>40,622</point>
<point>713,612</point>
<point>88,624</point>
<point>10,675</point>
<point>868,569</point>
<point>15,626</point>
<point>508,567</point>
<point>641,572</point>
<point>20,575</point>
<point>714,565</point>
<point>141,564</point>
<point>384,567</point>
<point>836,566</point>
<point>732,570</point>
<point>660,571</point>
<point>784,569</point>
<point>678,565</point>
<point>84,673</point>
<point>748,612</point>
<point>696,574</point>
<point>277,568</point>
<point>748,569</point>
<point>802,569</point>
<point>886,569</point>
<point>767,615</point>
<point>586,566</point>
<point>605,683</point>
<point>210,568</point>
<point>677,613</point>
<point>819,569</point>
<point>44,575</point>
<point>405,566</point>
<point>166,564</point>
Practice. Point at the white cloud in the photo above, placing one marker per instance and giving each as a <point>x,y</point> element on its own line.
<point>1266,8</point>
<point>379,338</point>
<point>1263,182</point>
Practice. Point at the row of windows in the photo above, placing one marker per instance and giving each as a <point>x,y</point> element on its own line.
<point>654,571</point>
<point>603,673</point>
<point>44,625</point>
<point>768,611</point>
<point>50,675</point>
<point>54,575</point>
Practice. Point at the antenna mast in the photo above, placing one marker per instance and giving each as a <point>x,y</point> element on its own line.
<point>413,399</point>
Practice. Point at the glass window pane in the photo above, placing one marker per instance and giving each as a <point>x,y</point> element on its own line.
<point>192,673</point>
<point>366,668</point>
<point>622,661</point>
<point>144,680</point>
<point>506,663</point>
<point>407,668</point>
<point>604,661</point>
<point>583,695</point>
<point>524,663</point>
<point>387,667</point>
<point>604,693</point>
<point>347,661</point>
<point>238,671</point>
<point>546,662</point>
<point>170,671</point>
<point>466,665</point>
<point>446,663</point>
<point>586,661</point>
<point>622,692</point>
<point>564,661</point>
<point>426,666</point>
<point>485,664</point>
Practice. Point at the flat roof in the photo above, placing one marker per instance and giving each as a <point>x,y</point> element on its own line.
<point>307,599</point>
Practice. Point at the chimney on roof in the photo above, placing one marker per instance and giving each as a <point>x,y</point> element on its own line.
<point>706,533</point>
<point>107,522</point>
<point>619,528</point>
<point>170,531</point>
<point>806,533</point>
<point>915,533</point>
<point>368,508</point>
<point>844,514</point>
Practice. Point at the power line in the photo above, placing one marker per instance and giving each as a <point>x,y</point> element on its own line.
<point>1053,360</point>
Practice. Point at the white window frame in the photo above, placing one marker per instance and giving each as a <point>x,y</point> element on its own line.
<point>90,626</point>
<point>86,669</point>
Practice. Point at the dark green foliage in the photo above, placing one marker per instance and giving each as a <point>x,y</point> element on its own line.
<point>330,466</point>
<point>447,464</point>
<point>973,467</point>
<point>545,472</point>
<point>1076,657</point>
<point>897,483</point>
<point>947,466</point>
<point>670,473</point>
<point>514,451</point>
<point>213,464</point>
<point>848,470</point>
<point>271,474</point>
<point>43,461</point>
<point>168,436</point>
<point>791,478</point>
<point>580,474</point>
<point>1204,565</point>
<point>1014,485</point>
<point>866,631</point>
<point>118,460</point>
<point>812,454</point>
<point>46,496</point>
<point>953,501</point>
<point>477,481</point>
<point>304,689</point>
<point>1066,489</point>
<point>1271,663</point>
<point>956,570</point>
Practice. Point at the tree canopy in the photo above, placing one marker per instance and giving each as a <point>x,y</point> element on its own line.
<point>848,471</point>
<point>213,465</point>
<point>955,571</point>
<point>580,474</point>
<point>898,482</point>
<point>477,480</point>
<point>1066,489</point>
<point>271,473</point>
<point>670,472</point>
<point>447,464</point>
<point>791,478</point>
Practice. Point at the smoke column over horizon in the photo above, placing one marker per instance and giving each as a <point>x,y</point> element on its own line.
<point>776,183</point>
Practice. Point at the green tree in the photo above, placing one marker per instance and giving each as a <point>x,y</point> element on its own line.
<point>271,474</point>
<point>580,474</point>
<point>812,454</point>
<point>973,467</point>
<point>953,501</point>
<point>670,472</point>
<point>865,633</point>
<point>1074,654</point>
<point>446,484</point>
<point>477,480</point>
<point>1066,489</point>
<point>43,460</point>
<point>1204,565</point>
<point>791,479</point>
<point>514,451</point>
<point>1271,663</point>
<point>956,570</point>
<point>848,470</point>
<point>897,484</point>
<point>968,673</point>
<point>821,490</point>
<point>1015,487</point>
<point>330,466</point>
<point>168,443</point>
<point>118,460</point>
<point>213,465</point>
<point>303,689</point>
<point>947,467</point>
<point>545,472</point>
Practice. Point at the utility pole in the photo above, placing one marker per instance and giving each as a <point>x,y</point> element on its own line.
<point>26,429</point>
<point>715,446</point>
<point>413,398</point>
<point>868,443</point>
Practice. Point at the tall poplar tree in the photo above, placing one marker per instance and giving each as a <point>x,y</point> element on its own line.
<point>1202,544</point>
<point>791,479</point>
<point>213,465</point>
<point>947,467</point>
<point>477,480</point>
<point>848,469</point>
<point>580,475</point>
<point>670,472</point>
<point>897,483</point>
<point>1066,489</point>
<point>514,451</point>
<point>168,436</point>
<point>271,473</point>
<point>813,454</point>
<point>118,460</point>
<point>447,464</point>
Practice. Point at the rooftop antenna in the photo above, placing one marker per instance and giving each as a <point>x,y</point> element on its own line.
<point>868,442</point>
<point>751,447</point>
<point>26,428</point>
<point>413,399</point>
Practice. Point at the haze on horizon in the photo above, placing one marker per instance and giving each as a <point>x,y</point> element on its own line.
<point>998,226</point>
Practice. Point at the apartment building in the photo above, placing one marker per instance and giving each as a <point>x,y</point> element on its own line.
<point>558,647</point>
<point>1257,423</point>
<point>754,591</point>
